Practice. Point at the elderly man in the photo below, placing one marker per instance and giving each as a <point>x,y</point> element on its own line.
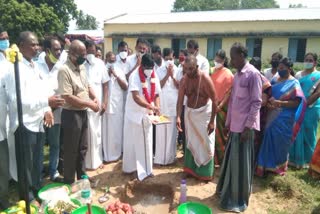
<point>98,78</point>
<point>193,49</point>
<point>49,68</point>
<point>199,120</point>
<point>74,87</point>
<point>36,113</point>
<point>142,100</point>
<point>236,175</point>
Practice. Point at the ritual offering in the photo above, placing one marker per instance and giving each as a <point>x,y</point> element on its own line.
<point>20,208</point>
<point>119,208</point>
<point>62,206</point>
<point>53,191</point>
<point>157,120</point>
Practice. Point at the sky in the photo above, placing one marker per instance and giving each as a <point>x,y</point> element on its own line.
<point>104,9</point>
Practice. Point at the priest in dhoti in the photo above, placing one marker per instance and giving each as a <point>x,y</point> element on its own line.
<point>166,134</point>
<point>98,78</point>
<point>112,135</point>
<point>199,120</point>
<point>142,101</point>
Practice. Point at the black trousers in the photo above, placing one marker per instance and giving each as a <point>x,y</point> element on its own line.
<point>74,126</point>
<point>31,149</point>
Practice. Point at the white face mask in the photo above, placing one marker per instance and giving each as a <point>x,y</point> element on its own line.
<point>140,54</point>
<point>109,65</point>
<point>148,72</point>
<point>217,65</point>
<point>90,58</point>
<point>123,54</point>
<point>169,62</point>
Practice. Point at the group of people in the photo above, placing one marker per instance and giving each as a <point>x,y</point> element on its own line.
<point>92,112</point>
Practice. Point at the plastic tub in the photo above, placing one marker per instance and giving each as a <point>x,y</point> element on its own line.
<point>193,208</point>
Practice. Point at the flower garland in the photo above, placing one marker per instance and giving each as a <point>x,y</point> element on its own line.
<point>150,99</point>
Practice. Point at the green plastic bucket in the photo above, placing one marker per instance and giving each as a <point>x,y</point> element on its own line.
<point>193,208</point>
<point>50,186</point>
<point>75,201</point>
<point>84,209</point>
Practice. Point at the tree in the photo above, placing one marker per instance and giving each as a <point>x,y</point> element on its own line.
<point>17,17</point>
<point>64,9</point>
<point>86,22</point>
<point>207,5</point>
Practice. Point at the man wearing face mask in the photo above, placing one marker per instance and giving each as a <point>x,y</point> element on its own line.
<point>112,134</point>
<point>49,68</point>
<point>134,60</point>
<point>74,87</point>
<point>4,43</point>
<point>193,49</point>
<point>166,136</point>
<point>142,101</point>
<point>122,51</point>
<point>157,57</point>
<point>98,77</point>
<point>4,147</point>
<point>199,120</point>
<point>270,73</point>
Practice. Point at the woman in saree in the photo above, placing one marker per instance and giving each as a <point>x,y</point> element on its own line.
<point>222,79</point>
<point>286,111</point>
<point>314,169</point>
<point>304,145</point>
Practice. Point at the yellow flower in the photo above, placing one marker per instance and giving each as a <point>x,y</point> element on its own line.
<point>12,52</point>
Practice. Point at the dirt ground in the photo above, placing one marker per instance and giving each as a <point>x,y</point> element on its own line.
<point>160,194</point>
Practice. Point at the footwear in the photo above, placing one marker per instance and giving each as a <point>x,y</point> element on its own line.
<point>55,176</point>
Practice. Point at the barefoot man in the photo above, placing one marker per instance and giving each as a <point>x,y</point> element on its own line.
<point>199,120</point>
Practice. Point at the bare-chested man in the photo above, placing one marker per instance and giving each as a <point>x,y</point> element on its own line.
<point>199,120</point>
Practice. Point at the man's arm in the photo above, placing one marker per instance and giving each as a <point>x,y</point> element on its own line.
<point>181,94</point>
<point>255,87</point>
<point>141,101</point>
<point>104,97</point>
<point>134,68</point>
<point>210,91</point>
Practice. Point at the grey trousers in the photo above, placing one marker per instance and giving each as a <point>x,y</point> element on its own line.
<point>4,173</point>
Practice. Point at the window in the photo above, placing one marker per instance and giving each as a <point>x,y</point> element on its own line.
<point>177,45</point>
<point>213,45</point>
<point>115,42</point>
<point>254,46</point>
<point>297,49</point>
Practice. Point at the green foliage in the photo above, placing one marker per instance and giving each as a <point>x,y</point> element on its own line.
<point>207,5</point>
<point>17,17</point>
<point>64,9</point>
<point>86,22</point>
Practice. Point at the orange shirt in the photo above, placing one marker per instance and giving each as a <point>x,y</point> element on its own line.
<point>222,80</point>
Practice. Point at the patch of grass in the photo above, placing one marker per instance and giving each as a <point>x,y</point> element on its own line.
<point>273,211</point>
<point>296,185</point>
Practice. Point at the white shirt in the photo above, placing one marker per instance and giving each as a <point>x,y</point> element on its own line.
<point>97,75</point>
<point>2,57</point>
<point>4,69</point>
<point>132,61</point>
<point>178,78</point>
<point>51,81</point>
<point>34,97</point>
<point>269,75</point>
<point>116,93</point>
<point>135,112</point>
<point>169,92</point>
<point>203,63</point>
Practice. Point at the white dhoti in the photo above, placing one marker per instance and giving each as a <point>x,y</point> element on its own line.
<point>137,147</point>
<point>199,142</point>
<point>112,136</point>
<point>94,152</point>
<point>166,142</point>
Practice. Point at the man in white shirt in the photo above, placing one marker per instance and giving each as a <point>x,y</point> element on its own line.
<point>4,149</point>
<point>113,119</point>
<point>272,72</point>
<point>49,68</point>
<point>134,60</point>
<point>36,114</point>
<point>202,62</point>
<point>142,100</point>
<point>157,57</point>
<point>98,79</point>
<point>166,134</point>
<point>122,47</point>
